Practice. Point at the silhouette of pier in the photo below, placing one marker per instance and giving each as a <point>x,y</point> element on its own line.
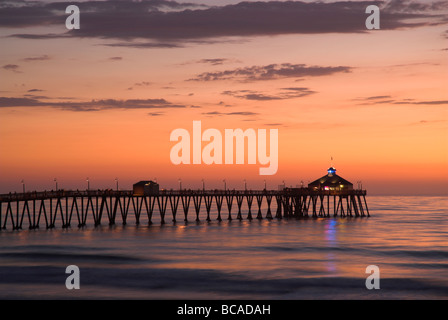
<point>67,208</point>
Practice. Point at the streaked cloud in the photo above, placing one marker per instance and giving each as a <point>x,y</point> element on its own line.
<point>276,124</point>
<point>214,62</point>
<point>145,45</point>
<point>271,72</point>
<point>93,105</point>
<point>282,94</point>
<point>37,58</point>
<point>425,102</point>
<point>211,61</point>
<point>236,113</point>
<point>387,99</point>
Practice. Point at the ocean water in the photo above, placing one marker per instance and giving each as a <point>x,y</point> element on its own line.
<point>314,258</point>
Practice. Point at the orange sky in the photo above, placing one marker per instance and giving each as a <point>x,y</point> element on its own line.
<point>383,118</point>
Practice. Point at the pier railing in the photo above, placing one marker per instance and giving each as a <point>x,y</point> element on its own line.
<point>34,207</point>
<point>38,195</point>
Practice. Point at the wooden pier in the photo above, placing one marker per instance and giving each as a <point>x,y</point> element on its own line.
<point>67,208</point>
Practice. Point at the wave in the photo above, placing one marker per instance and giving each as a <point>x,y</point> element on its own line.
<point>377,251</point>
<point>204,281</point>
<point>63,257</point>
<point>434,254</point>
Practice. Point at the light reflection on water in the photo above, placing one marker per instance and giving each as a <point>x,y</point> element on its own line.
<point>407,237</point>
<point>330,236</point>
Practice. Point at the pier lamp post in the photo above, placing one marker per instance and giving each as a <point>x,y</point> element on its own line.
<point>56,182</point>
<point>359,185</point>
<point>203,185</point>
<point>264,184</point>
<point>23,186</point>
<point>284,184</point>
<point>116,181</point>
<point>180,184</point>
<point>88,184</point>
<point>225,186</point>
<point>301,183</point>
<point>245,185</point>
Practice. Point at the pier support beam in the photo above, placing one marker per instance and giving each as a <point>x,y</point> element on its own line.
<point>208,205</point>
<point>186,205</point>
<point>218,199</point>
<point>278,214</point>
<point>229,201</point>
<point>268,213</point>
<point>239,202</point>
<point>249,199</point>
<point>259,203</point>
<point>174,203</point>
<point>197,199</point>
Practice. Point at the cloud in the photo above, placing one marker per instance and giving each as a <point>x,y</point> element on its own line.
<point>12,67</point>
<point>140,84</point>
<point>425,122</point>
<point>412,6</point>
<point>36,13</point>
<point>115,58</point>
<point>143,83</point>
<point>156,114</point>
<point>407,65</point>
<point>93,105</point>
<point>33,96</point>
<point>19,102</point>
<point>145,45</point>
<point>376,98</point>
<point>277,124</point>
<point>211,61</point>
<point>386,99</point>
<point>35,90</point>
<point>237,113</point>
<point>39,36</point>
<point>284,93</point>
<point>271,72</point>
<point>136,43</point>
<point>427,102</point>
<point>168,23</point>
<point>37,58</point>
<point>214,62</point>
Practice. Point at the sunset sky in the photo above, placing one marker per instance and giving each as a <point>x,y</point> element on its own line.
<point>101,101</point>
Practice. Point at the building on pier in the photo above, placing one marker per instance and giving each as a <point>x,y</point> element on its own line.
<point>145,188</point>
<point>331,181</point>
